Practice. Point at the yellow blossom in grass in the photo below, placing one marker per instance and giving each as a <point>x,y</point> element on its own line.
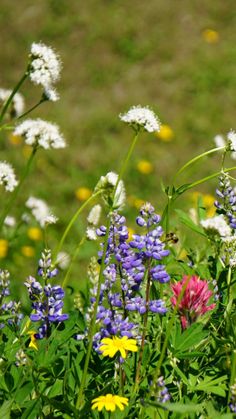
<point>145,167</point>
<point>166,133</point>
<point>33,341</point>
<point>83,193</point>
<point>207,200</point>
<point>34,233</point>
<point>109,401</point>
<point>3,248</point>
<point>211,36</point>
<point>110,346</point>
<point>15,139</point>
<point>28,251</point>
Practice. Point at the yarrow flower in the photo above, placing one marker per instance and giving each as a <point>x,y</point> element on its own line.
<point>193,302</point>
<point>141,117</point>
<point>109,402</point>
<point>39,133</point>
<point>17,105</point>
<point>229,143</point>
<point>45,68</point>
<point>110,346</point>
<point>217,225</point>
<point>7,176</point>
<point>41,211</point>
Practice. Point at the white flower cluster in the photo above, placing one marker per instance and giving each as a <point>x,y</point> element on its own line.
<point>143,117</point>
<point>106,185</point>
<point>41,211</point>
<point>45,69</point>
<point>93,220</point>
<point>229,251</point>
<point>40,133</point>
<point>229,143</point>
<point>63,260</point>
<point>217,225</point>
<point>17,104</point>
<point>7,176</point>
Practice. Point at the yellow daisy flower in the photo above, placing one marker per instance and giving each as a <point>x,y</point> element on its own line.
<point>3,248</point>
<point>211,36</point>
<point>109,401</point>
<point>83,193</point>
<point>34,233</point>
<point>33,341</point>
<point>166,133</point>
<point>28,251</point>
<point>145,167</point>
<point>110,346</point>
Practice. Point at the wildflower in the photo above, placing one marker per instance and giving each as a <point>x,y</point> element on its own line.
<point>39,133</point>
<point>63,260</point>
<point>110,347</point>
<point>166,133</point>
<point>21,359</point>
<point>229,143</point>
<point>94,215</point>
<point>232,404</point>
<point>17,104</point>
<point>231,137</point>
<point>217,225</point>
<point>108,185</point>
<point>33,341</point>
<point>83,193</point>
<point>141,117</point>
<point>3,248</point>
<point>10,221</point>
<point>145,167</point>
<point>194,300</point>
<point>207,202</point>
<point>210,36</point>
<point>109,401</point>
<point>45,68</point>
<point>40,211</point>
<point>28,251</point>
<point>163,394</point>
<point>10,308</point>
<point>7,176</point>
<point>34,233</point>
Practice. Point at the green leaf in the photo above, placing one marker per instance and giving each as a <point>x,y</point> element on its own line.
<point>186,220</point>
<point>32,409</point>
<point>190,337</point>
<point>5,409</point>
<point>178,407</point>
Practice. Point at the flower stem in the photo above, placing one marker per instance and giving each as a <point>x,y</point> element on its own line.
<point>72,221</point>
<point>126,161</point>
<point>31,109</point>
<point>14,91</point>
<point>65,280</point>
<point>17,189</point>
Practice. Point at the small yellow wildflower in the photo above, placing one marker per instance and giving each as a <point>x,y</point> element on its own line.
<point>33,341</point>
<point>28,251</point>
<point>3,248</point>
<point>145,167</point>
<point>111,346</point>
<point>15,139</point>
<point>34,233</point>
<point>207,200</point>
<point>83,193</point>
<point>109,401</point>
<point>166,133</point>
<point>211,36</point>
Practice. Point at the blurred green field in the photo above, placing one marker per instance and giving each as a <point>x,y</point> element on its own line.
<point>117,54</point>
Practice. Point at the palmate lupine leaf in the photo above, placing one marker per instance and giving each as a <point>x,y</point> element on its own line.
<point>189,338</point>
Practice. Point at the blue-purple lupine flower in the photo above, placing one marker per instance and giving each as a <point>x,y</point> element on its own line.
<point>8,308</point>
<point>163,394</point>
<point>226,203</point>
<point>232,404</point>
<point>128,265</point>
<point>47,300</point>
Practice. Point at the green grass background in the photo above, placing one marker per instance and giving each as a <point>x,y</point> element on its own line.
<point>117,54</point>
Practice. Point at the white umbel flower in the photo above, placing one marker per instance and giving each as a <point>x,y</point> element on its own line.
<point>10,221</point>
<point>94,215</point>
<point>231,137</point>
<point>7,176</point>
<point>45,67</point>
<point>63,260</point>
<point>40,133</point>
<point>143,117</point>
<point>91,233</point>
<point>229,142</point>
<point>219,141</point>
<point>40,211</point>
<point>106,185</point>
<point>17,105</point>
<point>217,225</point>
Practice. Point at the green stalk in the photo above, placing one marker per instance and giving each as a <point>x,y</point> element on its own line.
<point>65,280</point>
<point>72,221</point>
<point>125,163</point>
<point>18,188</point>
<point>200,156</point>
<point>31,109</point>
<point>232,377</point>
<point>14,91</point>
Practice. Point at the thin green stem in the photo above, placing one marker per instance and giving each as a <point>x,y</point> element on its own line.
<point>72,221</point>
<point>75,254</point>
<point>126,161</point>
<point>80,399</point>
<point>232,377</point>
<point>200,156</point>
<point>32,109</point>
<point>14,91</point>
<point>18,188</point>
<point>205,179</point>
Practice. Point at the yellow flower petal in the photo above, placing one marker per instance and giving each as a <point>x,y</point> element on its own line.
<point>145,167</point>
<point>34,233</point>
<point>83,193</point>
<point>166,133</point>
<point>211,36</point>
